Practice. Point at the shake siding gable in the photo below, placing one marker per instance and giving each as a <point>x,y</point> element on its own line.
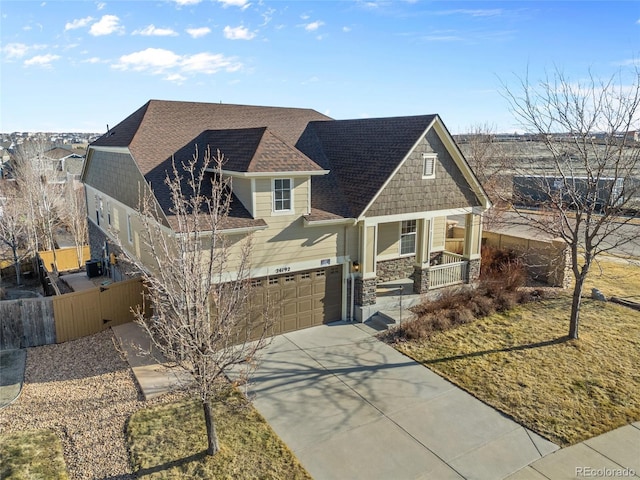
<point>116,175</point>
<point>408,192</point>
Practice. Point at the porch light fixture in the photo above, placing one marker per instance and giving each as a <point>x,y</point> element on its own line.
<point>356,267</point>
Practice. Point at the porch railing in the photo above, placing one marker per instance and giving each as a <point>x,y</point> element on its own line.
<point>452,271</point>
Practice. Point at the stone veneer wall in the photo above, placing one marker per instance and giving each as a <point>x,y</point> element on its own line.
<point>395,269</point>
<point>473,274</point>
<point>365,291</point>
<point>420,280</point>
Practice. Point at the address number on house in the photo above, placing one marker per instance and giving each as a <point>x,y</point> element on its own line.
<point>283,269</point>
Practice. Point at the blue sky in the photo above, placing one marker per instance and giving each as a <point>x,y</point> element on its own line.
<point>80,65</point>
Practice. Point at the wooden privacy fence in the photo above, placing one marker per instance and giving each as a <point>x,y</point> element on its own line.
<point>41,321</point>
<point>26,322</point>
<point>66,258</point>
<point>546,260</point>
<point>84,313</point>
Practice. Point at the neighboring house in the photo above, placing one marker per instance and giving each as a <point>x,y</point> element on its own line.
<point>62,162</point>
<point>327,201</point>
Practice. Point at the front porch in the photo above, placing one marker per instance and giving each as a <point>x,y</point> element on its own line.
<point>397,272</point>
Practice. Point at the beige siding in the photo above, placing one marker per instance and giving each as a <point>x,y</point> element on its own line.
<point>242,189</point>
<point>388,240</point>
<point>439,233</point>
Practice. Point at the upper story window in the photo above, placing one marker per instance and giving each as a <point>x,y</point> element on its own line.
<point>282,201</point>
<point>408,231</point>
<point>429,165</point>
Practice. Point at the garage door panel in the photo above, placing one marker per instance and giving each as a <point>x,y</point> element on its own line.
<point>300,300</point>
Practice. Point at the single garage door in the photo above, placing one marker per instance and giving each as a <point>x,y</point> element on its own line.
<point>301,299</point>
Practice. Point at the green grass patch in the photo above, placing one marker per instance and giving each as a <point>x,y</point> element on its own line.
<point>520,362</point>
<point>170,441</point>
<point>32,455</point>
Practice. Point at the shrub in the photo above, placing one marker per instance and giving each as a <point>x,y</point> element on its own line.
<point>499,289</point>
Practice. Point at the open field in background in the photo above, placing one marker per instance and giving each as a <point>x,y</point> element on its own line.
<point>521,363</point>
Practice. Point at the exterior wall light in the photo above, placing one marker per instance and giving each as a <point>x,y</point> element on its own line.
<point>356,267</point>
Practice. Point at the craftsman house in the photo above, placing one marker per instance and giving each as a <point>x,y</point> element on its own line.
<point>334,206</point>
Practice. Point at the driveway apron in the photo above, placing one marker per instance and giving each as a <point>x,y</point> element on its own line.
<point>352,407</point>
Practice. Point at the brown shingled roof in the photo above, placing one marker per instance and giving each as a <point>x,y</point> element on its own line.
<point>160,128</point>
<point>256,139</point>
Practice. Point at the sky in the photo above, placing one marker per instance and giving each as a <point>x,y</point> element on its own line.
<point>78,66</point>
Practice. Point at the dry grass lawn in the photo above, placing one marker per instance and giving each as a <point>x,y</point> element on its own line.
<point>170,441</point>
<point>521,363</point>
<point>32,454</point>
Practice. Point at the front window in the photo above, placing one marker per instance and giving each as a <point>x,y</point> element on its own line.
<point>408,237</point>
<point>282,194</point>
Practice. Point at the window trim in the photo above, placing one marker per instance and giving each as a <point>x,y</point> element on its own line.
<point>413,234</point>
<point>274,200</point>
<point>429,158</point>
<point>129,229</point>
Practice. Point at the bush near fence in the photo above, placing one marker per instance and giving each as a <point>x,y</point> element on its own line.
<point>42,321</point>
<point>546,260</point>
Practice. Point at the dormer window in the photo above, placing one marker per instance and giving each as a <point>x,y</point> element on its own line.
<point>282,201</point>
<point>429,165</point>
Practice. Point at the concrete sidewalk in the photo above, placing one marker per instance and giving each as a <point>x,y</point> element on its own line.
<point>352,407</point>
<point>12,365</point>
<point>154,376</point>
<point>615,454</point>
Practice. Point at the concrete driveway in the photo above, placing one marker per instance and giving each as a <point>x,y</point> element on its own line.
<point>351,407</point>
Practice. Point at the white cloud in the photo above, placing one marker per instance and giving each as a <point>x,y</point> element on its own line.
<point>15,50</point>
<point>176,78</point>
<point>313,26</point>
<point>153,31</point>
<point>93,60</point>
<point>183,3</point>
<point>107,25</point>
<point>346,29</point>
<point>493,12</point>
<point>42,60</point>
<point>155,59</point>
<point>101,5</point>
<point>209,63</point>
<point>77,23</point>
<point>160,61</point>
<point>198,32</point>
<point>238,33</point>
<point>243,4</point>
<point>19,50</point>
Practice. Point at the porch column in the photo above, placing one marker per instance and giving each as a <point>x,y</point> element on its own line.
<point>366,282</point>
<point>472,244</point>
<point>423,256</point>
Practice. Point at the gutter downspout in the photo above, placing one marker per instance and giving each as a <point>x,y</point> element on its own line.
<point>353,290</point>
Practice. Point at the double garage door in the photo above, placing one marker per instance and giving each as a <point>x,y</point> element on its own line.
<point>301,299</point>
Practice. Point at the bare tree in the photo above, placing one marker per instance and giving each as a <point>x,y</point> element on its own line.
<point>197,281</point>
<point>590,178</point>
<point>13,227</point>
<point>42,194</point>
<point>74,216</point>
<point>492,162</point>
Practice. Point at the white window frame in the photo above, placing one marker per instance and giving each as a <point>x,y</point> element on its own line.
<point>129,230</point>
<point>413,234</point>
<point>429,165</point>
<point>274,208</point>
